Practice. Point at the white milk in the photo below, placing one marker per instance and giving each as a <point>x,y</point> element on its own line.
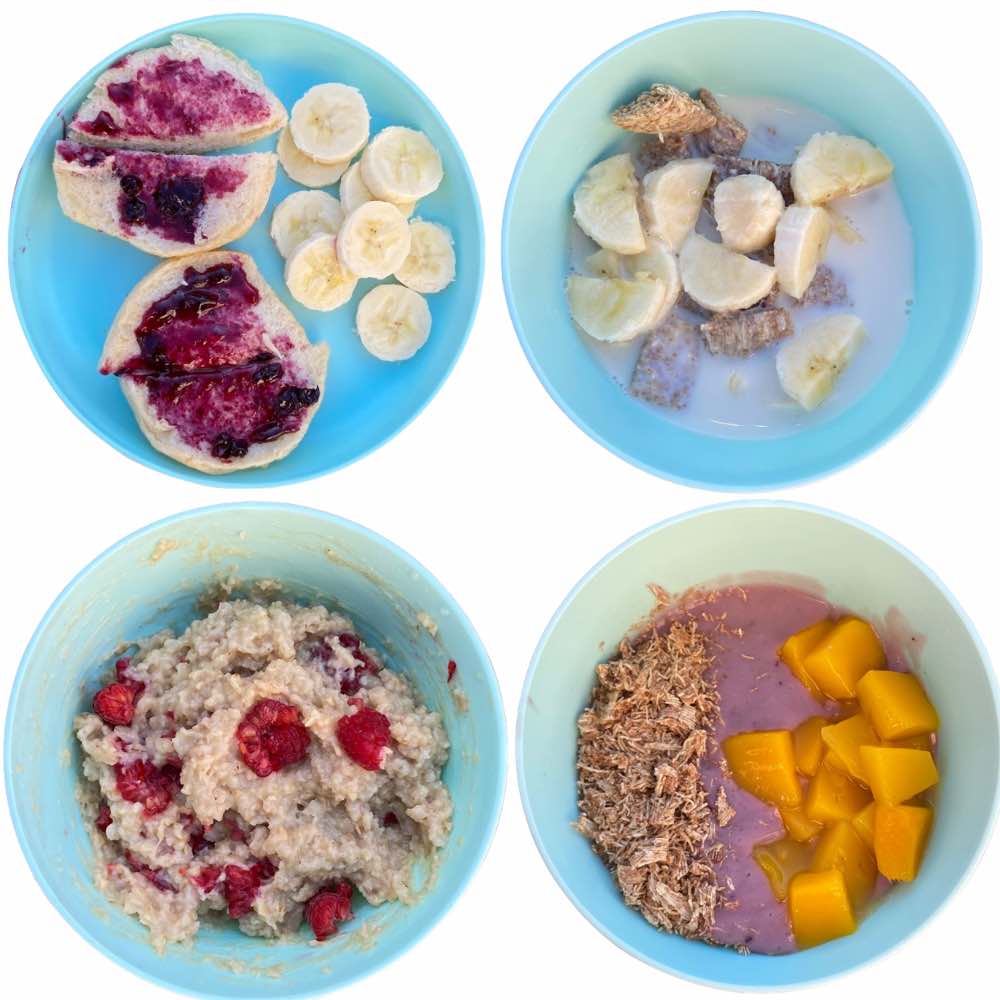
<point>741,397</point>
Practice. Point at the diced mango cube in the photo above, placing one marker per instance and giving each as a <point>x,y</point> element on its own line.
<point>844,739</point>
<point>820,907</point>
<point>809,745</point>
<point>843,656</point>
<point>781,860</point>
<point>840,847</point>
<point>901,834</point>
<point>796,647</point>
<point>896,704</point>
<point>896,774</point>
<point>832,796</point>
<point>864,823</point>
<point>763,763</point>
<point>798,825</point>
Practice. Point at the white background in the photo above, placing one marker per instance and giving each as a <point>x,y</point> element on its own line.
<point>493,488</point>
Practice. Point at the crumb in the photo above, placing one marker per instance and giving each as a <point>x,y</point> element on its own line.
<point>724,812</point>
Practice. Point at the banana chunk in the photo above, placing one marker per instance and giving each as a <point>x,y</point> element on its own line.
<point>672,197</point>
<point>401,165</point>
<point>330,122</point>
<point>831,165</point>
<point>799,247</point>
<point>393,322</point>
<point>721,280</point>
<point>605,264</point>
<point>374,240</point>
<point>315,276</point>
<point>811,362</point>
<point>657,261</point>
<point>303,169</point>
<point>606,205</point>
<point>430,265</point>
<point>615,309</point>
<point>747,209</point>
<point>304,214</point>
<point>354,192</point>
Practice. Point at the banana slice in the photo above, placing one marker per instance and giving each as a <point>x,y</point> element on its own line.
<point>810,362</point>
<point>606,205</point>
<point>354,192</point>
<point>657,261</point>
<point>672,197</point>
<point>615,309</point>
<point>430,264</point>
<point>330,122</point>
<point>747,209</point>
<point>401,165</point>
<point>394,322</point>
<point>305,170</point>
<point>374,240</point>
<point>722,280</point>
<point>304,214</point>
<point>829,166</point>
<point>799,246</point>
<point>605,264</point>
<point>315,276</point>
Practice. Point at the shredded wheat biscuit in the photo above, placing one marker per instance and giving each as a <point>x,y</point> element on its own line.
<point>663,110</point>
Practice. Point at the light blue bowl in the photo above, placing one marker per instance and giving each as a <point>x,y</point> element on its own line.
<point>768,55</point>
<point>861,569</point>
<point>152,580</point>
<point>68,281</point>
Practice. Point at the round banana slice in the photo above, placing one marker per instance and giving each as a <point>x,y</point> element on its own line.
<point>304,214</point>
<point>394,322</point>
<point>799,245</point>
<point>303,169</point>
<point>401,165</point>
<point>722,280</point>
<point>605,264</point>
<point>330,122</point>
<point>830,165</point>
<point>811,362</point>
<point>657,261</point>
<point>354,192</point>
<point>315,276</point>
<point>747,209</point>
<point>606,205</point>
<point>672,197</point>
<point>615,309</point>
<point>374,240</point>
<point>430,264</point>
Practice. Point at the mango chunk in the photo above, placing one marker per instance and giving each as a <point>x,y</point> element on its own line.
<point>864,824</point>
<point>798,825</point>
<point>781,860</point>
<point>901,834</point>
<point>896,774</point>
<point>763,763</point>
<point>809,744</point>
<point>820,907</point>
<point>844,739</point>
<point>896,704</point>
<point>833,796</point>
<point>843,656</point>
<point>840,847</point>
<point>796,647</point>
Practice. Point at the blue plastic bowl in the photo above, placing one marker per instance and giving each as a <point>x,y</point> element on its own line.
<point>744,53</point>
<point>69,281</point>
<point>861,569</point>
<point>152,580</point>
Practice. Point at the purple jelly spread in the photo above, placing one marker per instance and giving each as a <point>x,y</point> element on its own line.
<point>207,369</point>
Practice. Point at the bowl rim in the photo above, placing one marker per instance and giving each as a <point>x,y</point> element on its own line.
<point>498,721</point>
<point>871,443</point>
<point>591,574</point>
<point>174,468</point>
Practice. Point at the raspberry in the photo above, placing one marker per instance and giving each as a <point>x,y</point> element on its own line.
<point>390,819</point>
<point>364,736</point>
<point>271,736</point>
<point>363,663</point>
<point>452,667</point>
<point>115,704</point>
<point>207,878</point>
<point>243,884</point>
<point>121,670</point>
<point>141,782</point>
<point>103,820</point>
<point>329,907</point>
<point>155,876</point>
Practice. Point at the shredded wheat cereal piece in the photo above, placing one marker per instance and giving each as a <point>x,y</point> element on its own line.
<point>744,333</point>
<point>826,289</point>
<point>657,151</point>
<point>724,812</point>
<point>667,364</point>
<point>663,110</point>
<point>728,135</point>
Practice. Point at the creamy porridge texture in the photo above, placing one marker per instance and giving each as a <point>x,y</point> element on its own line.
<point>263,765</point>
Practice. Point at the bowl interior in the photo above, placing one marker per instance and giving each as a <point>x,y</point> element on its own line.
<point>151,581</point>
<point>69,281</point>
<point>860,570</point>
<point>747,54</point>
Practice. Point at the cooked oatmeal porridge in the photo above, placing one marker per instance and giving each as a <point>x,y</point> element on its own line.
<point>263,765</point>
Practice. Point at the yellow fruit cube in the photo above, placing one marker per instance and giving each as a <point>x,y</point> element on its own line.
<point>763,763</point>
<point>896,774</point>
<point>844,739</point>
<point>896,704</point>
<point>901,834</point>
<point>798,825</point>
<point>781,861</point>
<point>820,907</point>
<point>864,824</point>
<point>840,847</point>
<point>796,647</point>
<point>809,745</point>
<point>832,796</point>
<point>845,654</point>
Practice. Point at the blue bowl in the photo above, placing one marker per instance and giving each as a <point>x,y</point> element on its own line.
<point>778,57</point>
<point>68,281</point>
<point>152,580</point>
<point>860,569</point>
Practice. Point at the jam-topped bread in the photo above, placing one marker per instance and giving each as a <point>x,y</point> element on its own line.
<point>186,97</point>
<point>163,204</point>
<point>218,372</point>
